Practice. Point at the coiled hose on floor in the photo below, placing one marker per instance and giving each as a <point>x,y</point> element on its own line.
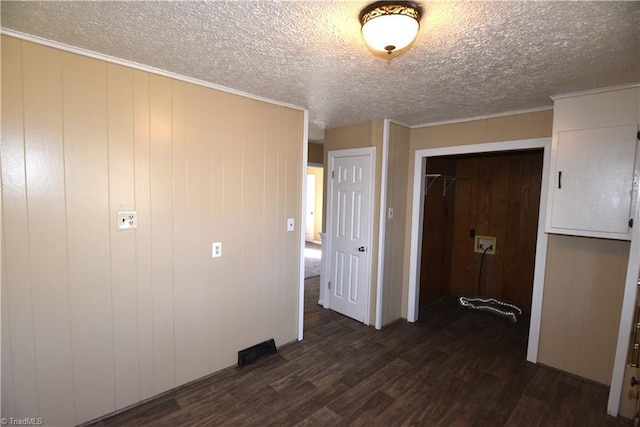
<point>491,305</point>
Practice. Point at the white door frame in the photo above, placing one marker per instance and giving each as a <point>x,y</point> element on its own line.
<point>417,213</point>
<point>382,226</point>
<point>628,306</point>
<point>311,203</point>
<point>303,209</point>
<point>332,155</point>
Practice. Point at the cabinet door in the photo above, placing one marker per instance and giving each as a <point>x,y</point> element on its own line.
<point>593,180</point>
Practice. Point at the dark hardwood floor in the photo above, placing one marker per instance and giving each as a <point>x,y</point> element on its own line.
<point>455,367</point>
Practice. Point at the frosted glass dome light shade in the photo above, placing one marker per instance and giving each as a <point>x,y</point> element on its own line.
<point>390,26</point>
<point>388,33</point>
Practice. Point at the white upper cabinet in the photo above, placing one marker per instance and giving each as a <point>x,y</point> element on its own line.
<point>594,171</point>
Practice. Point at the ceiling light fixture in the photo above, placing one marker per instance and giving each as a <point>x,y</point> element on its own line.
<point>388,26</point>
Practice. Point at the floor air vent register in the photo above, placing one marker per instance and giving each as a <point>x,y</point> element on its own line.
<point>254,353</point>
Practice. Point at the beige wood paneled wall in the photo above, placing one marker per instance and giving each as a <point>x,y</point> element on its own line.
<point>505,128</point>
<point>584,285</point>
<point>438,219</point>
<point>315,153</point>
<point>398,164</point>
<point>95,319</point>
<point>357,136</point>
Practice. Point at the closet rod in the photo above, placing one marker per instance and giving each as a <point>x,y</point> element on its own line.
<point>431,178</point>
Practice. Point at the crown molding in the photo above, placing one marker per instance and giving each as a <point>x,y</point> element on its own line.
<point>141,67</point>
<point>595,91</point>
<point>487,116</point>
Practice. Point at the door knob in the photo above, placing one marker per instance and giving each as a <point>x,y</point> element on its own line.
<point>362,249</point>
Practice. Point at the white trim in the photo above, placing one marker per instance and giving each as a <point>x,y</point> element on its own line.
<point>323,271</point>
<point>486,116</point>
<point>626,321</point>
<point>541,246</point>
<point>395,122</point>
<point>382,221</point>
<point>332,155</point>
<point>595,91</point>
<point>303,212</point>
<point>142,67</point>
<point>628,305</point>
<point>416,233</point>
<point>540,264</point>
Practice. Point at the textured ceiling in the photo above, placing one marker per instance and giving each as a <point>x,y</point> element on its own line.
<point>470,58</point>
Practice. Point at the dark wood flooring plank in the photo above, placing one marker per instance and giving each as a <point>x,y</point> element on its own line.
<point>306,408</point>
<point>145,413</point>
<point>351,402</point>
<point>211,409</point>
<point>369,412</point>
<point>464,408</point>
<point>413,384</point>
<point>394,370</point>
<point>367,368</point>
<point>592,405</point>
<point>323,417</point>
<point>563,405</point>
<point>455,367</point>
<point>498,409</point>
<point>527,413</point>
<point>413,400</point>
<point>442,403</point>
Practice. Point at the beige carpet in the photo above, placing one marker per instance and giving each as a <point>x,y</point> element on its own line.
<point>312,257</point>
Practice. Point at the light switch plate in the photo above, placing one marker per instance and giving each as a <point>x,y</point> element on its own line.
<point>290,224</point>
<point>127,220</point>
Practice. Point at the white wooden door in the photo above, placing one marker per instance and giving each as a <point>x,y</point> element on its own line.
<point>351,216</point>
<point>310,226</point>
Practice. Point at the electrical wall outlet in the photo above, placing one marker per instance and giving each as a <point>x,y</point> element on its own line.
<point>216,249</point>
<point>127,220</point>
<point>481,243</point>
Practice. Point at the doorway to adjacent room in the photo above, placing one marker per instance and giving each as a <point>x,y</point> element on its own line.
<point>495,195</point>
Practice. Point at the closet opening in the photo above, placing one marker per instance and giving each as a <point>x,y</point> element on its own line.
<point>472,201</point>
